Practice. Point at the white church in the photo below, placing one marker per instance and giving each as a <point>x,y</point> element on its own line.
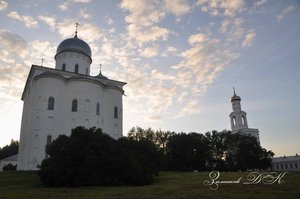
<point>238,118</point>
<point>57,100</point>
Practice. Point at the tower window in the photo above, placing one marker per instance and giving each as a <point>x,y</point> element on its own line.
<point>74,105</point>
<point>244,120</point>
<point>98,109</point>
<point>64,67</point>
<point>51,103</point>
<point>76,68</point>
<point>116,112</point>
<point>234,121</point>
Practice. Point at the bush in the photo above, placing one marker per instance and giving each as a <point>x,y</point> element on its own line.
<point>9,167</point>
<point>90,157</point>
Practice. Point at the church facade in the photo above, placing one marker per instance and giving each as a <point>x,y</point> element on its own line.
<point>238,119</point>
<point>58,100</point>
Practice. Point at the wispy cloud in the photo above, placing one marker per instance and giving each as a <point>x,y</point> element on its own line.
<point>66,4</point>
<point>177,7</point>
<point>221,8</point>
<point>84,13</point>
<point>49,20</point>
<point>3,5</point>
<point>89,31</point>
<point>28,21</point>
<point>249,38</point>
<point>285,11</point>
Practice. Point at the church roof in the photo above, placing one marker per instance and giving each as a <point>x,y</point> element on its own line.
<point>74,45</point>
<point>11,158</point>
<point>40,72</point>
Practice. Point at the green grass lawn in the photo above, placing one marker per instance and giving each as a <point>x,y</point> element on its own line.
<point>23,185</point>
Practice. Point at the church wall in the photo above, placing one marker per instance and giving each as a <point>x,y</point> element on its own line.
<point>61,120</point>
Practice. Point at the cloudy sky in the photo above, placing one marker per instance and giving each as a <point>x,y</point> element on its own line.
<point>180,59</point>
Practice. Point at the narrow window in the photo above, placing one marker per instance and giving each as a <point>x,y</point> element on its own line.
<point>64,67</point>
<point>291,165</point>
<point>296,165</point>
<point>74,105</point>
<point>98,109</point>
<point>281,166</point>
<point>277,166</point>
<point>51,103</point>
<point>234,121</point>
<point>115,112</point>
<point>87,105</point>
<point>76,68</point>
<point>286,166</point>
<point>49,139</point>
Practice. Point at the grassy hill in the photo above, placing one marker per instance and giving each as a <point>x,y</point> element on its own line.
<point>167,185</point>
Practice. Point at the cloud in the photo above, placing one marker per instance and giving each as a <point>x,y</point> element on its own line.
<point>197,38</point>
<point>143,17</point>
<point>150,35</point>
<point>49,20</point>
<point>221,7</point>
<point>192,107</point>
<point>259,3</point>
<point>285,11</point>
<point>249,38</point>
<point>66,4</point>
<point>177,7</point>
<point>150,51</point>
<point>142,12</point>
<point>13,43</point>
<point>3,5</point>
<point>88,31</point>
<point>27,20</point>
<point>85,14</point>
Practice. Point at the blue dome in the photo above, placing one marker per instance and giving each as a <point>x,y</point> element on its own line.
<point>74,45</point>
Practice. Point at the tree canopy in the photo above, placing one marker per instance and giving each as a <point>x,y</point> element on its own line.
<point>91,157</point>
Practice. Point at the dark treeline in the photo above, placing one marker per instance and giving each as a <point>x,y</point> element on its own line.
<point>91,157</point>
<point>9,150</point>
<point>214,150</point>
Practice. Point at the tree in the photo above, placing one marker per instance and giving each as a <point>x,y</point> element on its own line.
<point>244,153</point>
<point>9,150</point>
<point>187,152</point>
<point>90,157</point>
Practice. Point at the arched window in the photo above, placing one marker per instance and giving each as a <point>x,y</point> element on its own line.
<point>74,105</point>
<point>76,68</point>
<point>87,105</point>
<point>116,112</point>
<point>86,71</point>
<point>51,102</point>
<point>243,120</point>
<point>98,109</point>
<point>64,67</point>
<point>234,120</point>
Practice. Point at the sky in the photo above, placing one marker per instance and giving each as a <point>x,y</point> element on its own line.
<point>180,60</point>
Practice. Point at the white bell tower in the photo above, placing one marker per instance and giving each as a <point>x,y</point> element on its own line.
<point>238,118</point>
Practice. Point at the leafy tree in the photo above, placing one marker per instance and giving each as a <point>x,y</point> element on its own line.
<point>9,150</point>
<point>187,152</point>
<point>244,153</point>
<point>90,157</point>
